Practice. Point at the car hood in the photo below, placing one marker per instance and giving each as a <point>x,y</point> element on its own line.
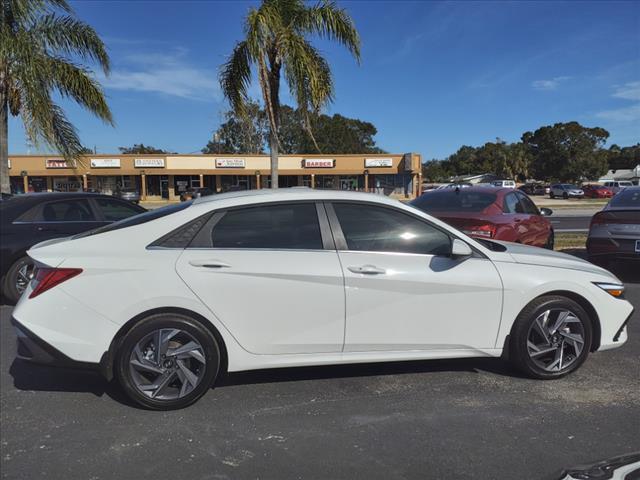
<point>548,258</point>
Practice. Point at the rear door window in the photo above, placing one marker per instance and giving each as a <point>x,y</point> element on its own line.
<point>285,226</point>
<point>511,204</point>
<point>527,205</point>
<point>65,211</point>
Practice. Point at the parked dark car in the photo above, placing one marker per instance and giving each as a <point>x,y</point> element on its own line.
<point>128,194</point>
<point>35,217</point>
<point>490,213</point>
<point>614,233</point>
<point>597,191</point>
<point>534,189</point>
<point>193,193</point>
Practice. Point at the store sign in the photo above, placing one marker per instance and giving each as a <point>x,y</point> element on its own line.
<point>9,163</point>
<point>148,163</point>
<point>230,163</point>
<point>56,163</point>
<point>105,163</point>
<point>378,162</point>
<point>319,163</point>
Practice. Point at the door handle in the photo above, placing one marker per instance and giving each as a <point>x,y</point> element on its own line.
<point>46,229</point>
<point>209,264</point>
<point>368,270</point>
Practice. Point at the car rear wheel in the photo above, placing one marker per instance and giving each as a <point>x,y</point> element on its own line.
<point>565,195</point>
<point>551,195</point>
<point>550,338</point>
<point>18,278</point>
<point>167,362</point>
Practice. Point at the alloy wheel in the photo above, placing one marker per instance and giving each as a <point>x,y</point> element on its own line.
<point>23,277</point>
<point>555,340</point>
<point>167,364</point>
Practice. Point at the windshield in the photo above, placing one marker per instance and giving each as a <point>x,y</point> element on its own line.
<point>454,201</point>
<point>627,198</point>
<point>569,186</point>
<point>137,219</point>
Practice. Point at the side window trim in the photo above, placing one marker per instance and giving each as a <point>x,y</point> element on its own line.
<point>336,229</point>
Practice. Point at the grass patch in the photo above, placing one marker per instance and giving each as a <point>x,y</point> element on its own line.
<point>570,240</point>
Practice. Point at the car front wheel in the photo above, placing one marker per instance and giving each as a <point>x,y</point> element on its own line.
<point>167,361</point>
<point>550,338</point>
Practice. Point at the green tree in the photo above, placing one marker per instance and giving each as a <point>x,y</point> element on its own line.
<point>141,148</point>
<point>623,158</point>
<point>41,47</point>
<point>567,151</point>
<point>464,161</point>
<point>506,160</point>
<point>435,171</point>
<point>245,133</point>
<point>276,43</point>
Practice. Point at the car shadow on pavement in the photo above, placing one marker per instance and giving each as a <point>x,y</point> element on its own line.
<point>43,378</point>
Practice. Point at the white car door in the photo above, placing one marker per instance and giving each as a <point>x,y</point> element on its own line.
<point>272,276</point>
<point>403,290</point>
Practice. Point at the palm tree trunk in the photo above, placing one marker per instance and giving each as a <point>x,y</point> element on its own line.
<point>273,150</point>
<point>5,184</point>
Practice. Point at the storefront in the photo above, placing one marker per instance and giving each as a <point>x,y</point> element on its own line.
<point>165,177</point>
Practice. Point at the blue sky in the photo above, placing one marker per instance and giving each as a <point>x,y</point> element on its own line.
<point>433,75</point>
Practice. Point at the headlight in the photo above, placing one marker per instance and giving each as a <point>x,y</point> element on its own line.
<point>613,289</point>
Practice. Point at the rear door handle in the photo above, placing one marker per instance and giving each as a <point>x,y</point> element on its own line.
<point>209,264</point>
<point>368,270</point>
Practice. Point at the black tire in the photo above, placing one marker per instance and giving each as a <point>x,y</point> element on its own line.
<point>550,241</point>
<point>565,195</point>
<point>146,326</point>
<point>551,195</point>
<point>10,288</point>
<point>518,349</point>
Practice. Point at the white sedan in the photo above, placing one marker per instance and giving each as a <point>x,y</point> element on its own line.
<point>168,300</point>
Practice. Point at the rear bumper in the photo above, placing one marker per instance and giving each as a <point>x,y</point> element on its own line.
<point>610,248</point>
<point>32,348</point>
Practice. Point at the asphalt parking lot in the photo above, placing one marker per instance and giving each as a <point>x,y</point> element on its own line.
<point>469,419</point>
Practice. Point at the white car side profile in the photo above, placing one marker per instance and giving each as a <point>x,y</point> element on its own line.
<point>168,300</point>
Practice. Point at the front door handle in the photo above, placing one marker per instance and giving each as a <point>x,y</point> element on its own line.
<point>368,270</point>
<point>209,263</point>
<point>46,229</point>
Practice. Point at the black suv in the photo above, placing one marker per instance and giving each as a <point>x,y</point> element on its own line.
<point>35,217</point>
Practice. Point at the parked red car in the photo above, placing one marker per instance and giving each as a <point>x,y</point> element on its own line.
<point>597,191</point>
<point>491,213</point>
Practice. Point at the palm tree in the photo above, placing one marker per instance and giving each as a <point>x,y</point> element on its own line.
<point>41,47</point>
<point>277,42</point>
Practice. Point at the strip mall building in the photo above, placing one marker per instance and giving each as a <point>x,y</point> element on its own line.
<point>159,177</point>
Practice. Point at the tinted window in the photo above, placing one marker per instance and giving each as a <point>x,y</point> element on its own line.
<point>379,229</point>
<point>511,204</point>
<point>65,211</point>
<point>138,219</point>
<point>114,210</point>
<point>627,198</point>
<point>450,200</point>
<point>293,226</point>
<point>528,206</point>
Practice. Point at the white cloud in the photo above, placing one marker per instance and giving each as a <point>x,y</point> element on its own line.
<point>550,84</point>
<point>624,114</point>
<point>164,73</point>
<point>628,91</point>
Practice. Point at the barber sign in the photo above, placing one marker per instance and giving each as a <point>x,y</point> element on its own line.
<point>319,163</point>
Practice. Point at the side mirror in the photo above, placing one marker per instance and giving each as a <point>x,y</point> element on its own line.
<point>460,249</point>
<point>545,212</point>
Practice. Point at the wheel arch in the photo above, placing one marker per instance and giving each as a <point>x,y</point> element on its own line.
<point>584,303</point>
<point>107,360</point>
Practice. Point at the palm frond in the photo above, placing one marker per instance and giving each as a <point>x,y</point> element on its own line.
<point>327,20</point>
<point>75,82</point>
<point>235,76</point>
<point>70,36</point>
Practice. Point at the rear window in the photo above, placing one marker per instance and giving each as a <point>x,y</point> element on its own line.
<point>627,198</point>
<point>137,219</point>
<point>454,201</point>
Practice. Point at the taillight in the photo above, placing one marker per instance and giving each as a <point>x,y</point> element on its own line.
<point>613,217</point>
<point>485,231</point>
<point>47,278</point>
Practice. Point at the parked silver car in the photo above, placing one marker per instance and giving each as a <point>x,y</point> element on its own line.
<point>565,190</point>
<point>129,194</point>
